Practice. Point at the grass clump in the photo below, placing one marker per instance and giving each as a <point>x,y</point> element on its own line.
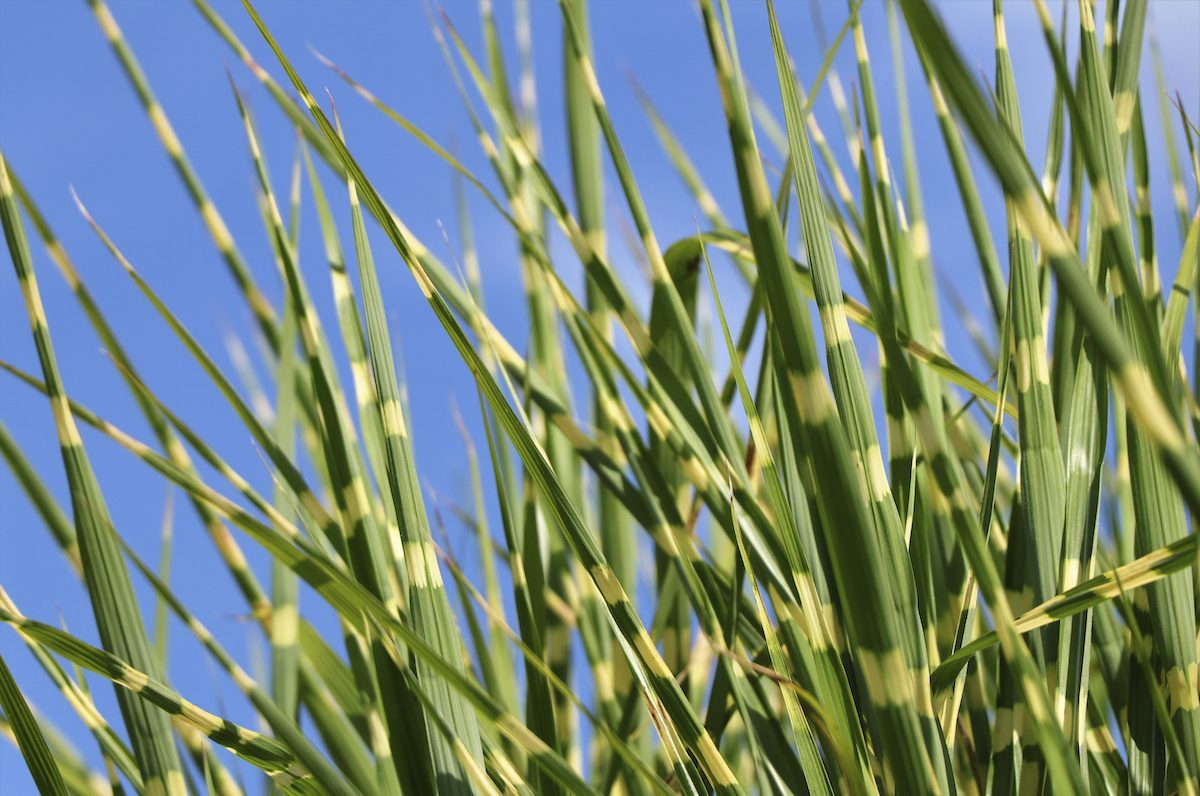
<point>987,585</point>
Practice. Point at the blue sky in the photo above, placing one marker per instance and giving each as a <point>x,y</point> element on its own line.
<point>68,118</point>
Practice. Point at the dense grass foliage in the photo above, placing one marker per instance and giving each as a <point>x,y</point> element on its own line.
<point>986,585</point>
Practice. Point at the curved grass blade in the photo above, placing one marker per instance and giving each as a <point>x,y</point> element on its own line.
<point>226,545</point>
<point>28,734</point>
<point>581,540</point>
<point>1142,571</point>
<point>289,732</point>
<point>430,607</point>
<point>285,542</point>
<point>260,751</point>
<point>264,313</point>
<point>115,752</point>
<point>114,605</point>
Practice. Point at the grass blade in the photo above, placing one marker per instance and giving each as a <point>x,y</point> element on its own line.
<point>114,605</point>
<point>28,734</point>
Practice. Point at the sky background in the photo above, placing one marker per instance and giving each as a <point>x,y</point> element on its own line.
<point>69,118</point>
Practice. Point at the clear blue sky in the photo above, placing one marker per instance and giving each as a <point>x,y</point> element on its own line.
<point>68,117</point>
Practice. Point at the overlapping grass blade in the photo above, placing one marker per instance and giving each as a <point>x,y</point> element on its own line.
<point>284,726</point>
<point>256,749</point>
<point>581,540</point>
<point>114,605</point>
<point>286,543</point>
<point>429,605</point>
<point>226,545</point>
<point>29,737</point>
<point>264,314</point>
<point>802,590</point>
<point>816,430</point>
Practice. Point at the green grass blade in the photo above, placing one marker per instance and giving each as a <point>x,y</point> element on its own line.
<point>227,547</point>
<point>285,727</point>
<point>579,538</point>
<point>78,778</point>
<point>1179,194</point>
<point>117,614</point>
<point>815,775</point>
<point>47,507</point>
<point>28,734</point>
<point>386,690</point>
<point>285,542</point>
<point>618,540</point>
<point>430,605</point>
<point>264,313</point>
<point>1149,410</point>
<point>1042,474</point>
<point>812,416</point>
<point>256,749</point>
<point>166,536</point>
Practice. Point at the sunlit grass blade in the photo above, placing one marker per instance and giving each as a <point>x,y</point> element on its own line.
<point>1183,290</point>
<point>1160,514</point>
<point>285,542</point>
<point>385,690</point>
<point>989,524</point>
<point>28,734</point>
<point>285,611</point>
<point>77,777</point>
<point>1142,571</point>
<point>511,636</point>
<point>166,539</point>
<point>519,109</point>
<point>427,598</point>
<point>264,313</point>
<point>619,541</point>
<point>495,660</point>
<point>1039,528</point>
<point>115,607</point>
<point>816,430</point>
<point>118,758</point>
<point>1179,195</point>
<point>658,677</point>
<point>948,483</point>
<point>739,246</point>
<point>1149,410</point>
<point>256,749</point>
<point>284,726</point>
<point>116,753</point>
<point>458,298</point>
<point>231,554</point>
<point>793,559</point>
<point>815,776</point>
